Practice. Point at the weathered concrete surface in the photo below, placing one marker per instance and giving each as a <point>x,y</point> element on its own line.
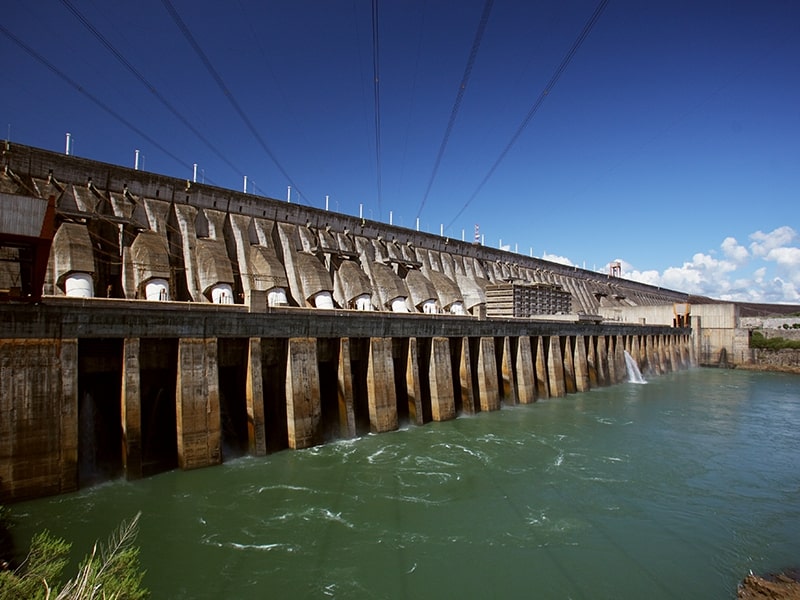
<point>39,424</point>
<point>380,386</point>
<point>197,404</point>
<point>303,407</point>
<point>131,413</point>
<point>441,381</point>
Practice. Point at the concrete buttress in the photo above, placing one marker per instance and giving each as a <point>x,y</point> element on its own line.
<point>542,379</point>
<point>488,391</point>
<point>509,390</point>
<point>555,368</point>
<point>523,367</point>
<point>256,430</point>
<point>197,408</point>
<point>382,398</point>
<point>303,404</point>
<point>441,381</point>
<point>581,365</point>
<point>131,410</point>
<point>347,419</point>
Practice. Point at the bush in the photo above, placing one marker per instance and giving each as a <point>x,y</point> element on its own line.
<point>109,572</point>
<point>757,340</point>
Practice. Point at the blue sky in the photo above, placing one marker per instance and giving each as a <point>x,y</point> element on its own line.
<point>670,141</point>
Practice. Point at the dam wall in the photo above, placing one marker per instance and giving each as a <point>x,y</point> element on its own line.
<point>96,389</point>
<point>125,233</point>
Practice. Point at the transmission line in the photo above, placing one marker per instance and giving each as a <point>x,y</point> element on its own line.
<point>226,92</point>
<point>376,75</point>
<point>90,96</point>
<point>534,109</point>
<point>119,56</point>
<point>476,43</point>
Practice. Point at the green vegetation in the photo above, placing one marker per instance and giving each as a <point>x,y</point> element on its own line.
<point>108,572</point>
<point>757,340</point>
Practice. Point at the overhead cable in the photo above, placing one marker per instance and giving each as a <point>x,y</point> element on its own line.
<point>476,43</point>
<point>119,56</point>
<point>91,97</point>
<point>533,110</point>
<point>226,92</point>
<point>376,76</point>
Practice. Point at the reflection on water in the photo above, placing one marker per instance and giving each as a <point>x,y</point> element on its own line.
<point>672,489</point>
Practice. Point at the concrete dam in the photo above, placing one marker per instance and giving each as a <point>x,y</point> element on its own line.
<point>150,323</point>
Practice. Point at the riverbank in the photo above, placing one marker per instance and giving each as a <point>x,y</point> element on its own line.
<point>783,586</point>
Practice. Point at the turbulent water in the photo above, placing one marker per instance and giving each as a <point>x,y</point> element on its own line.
<point>673,489</point>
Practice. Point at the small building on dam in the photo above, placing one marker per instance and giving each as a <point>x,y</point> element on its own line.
<point>150,323</point>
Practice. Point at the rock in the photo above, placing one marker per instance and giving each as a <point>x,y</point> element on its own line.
<point>782,586</point>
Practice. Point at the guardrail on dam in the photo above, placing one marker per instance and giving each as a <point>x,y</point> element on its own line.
<point>288,326</point>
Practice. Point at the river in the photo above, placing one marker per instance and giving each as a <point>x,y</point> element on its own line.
<point>675,488</point>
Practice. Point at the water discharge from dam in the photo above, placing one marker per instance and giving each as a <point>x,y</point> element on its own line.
<point>675,489</point>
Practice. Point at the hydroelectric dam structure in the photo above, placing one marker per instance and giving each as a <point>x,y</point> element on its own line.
<point>149,323</point>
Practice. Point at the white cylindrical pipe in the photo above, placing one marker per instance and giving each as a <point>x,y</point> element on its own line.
<point>360,211</point>
<point>245,184</point>
<point>222,293</point>
<point>363,302</point>
<point>441,230</point>
<point>326,202</point>
<point>399,305</point>
<point>79,285</point>
<point>157,290</point>
<point>194,173</point>
<point>323,300</point>
<point>67,150</point>
<point>289,194</point>
<point>417,223</point>
<point>135,160</point>
<point>390,217</point>
<point>457,308</point>
<point>277,297</point>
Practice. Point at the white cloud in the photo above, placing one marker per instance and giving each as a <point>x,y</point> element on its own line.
<point>763,243</point>
<point>768,272</point>
<point>562,260</point>
<point>734,251</point>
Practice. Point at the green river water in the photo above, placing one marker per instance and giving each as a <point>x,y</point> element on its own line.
<point>672,489</point>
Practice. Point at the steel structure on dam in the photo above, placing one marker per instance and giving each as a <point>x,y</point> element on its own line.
<point>150,323</point>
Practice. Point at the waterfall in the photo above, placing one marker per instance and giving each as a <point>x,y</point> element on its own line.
<point>634,374</point>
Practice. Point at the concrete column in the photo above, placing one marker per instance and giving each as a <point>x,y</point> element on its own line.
<point>602,361</point>
<point>131,410</point>
<point>440,375</point>
<point>555,368</point>
<point>256,430</point>
<point>591,362</point>
<point>68,411</point>
<point>197,409</point>
<point>38,418</point>
<point>636,353</point>
<point>542,378</point>
<point>413,384</point>
<point>382,398</point>
<point>488,392</point>
<point>465,379</point>
<point>523,367</point>
<point>662,357</point>
<point>303,404</point>
<point>581,365</point>
<point>347,417</point>
<point>652,356</point>
<point>619,359</point>
<point>509,390</point>
<point>695,349</point>
<point>569,366</point>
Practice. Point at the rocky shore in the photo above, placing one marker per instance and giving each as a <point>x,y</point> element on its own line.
<point>781,586</point>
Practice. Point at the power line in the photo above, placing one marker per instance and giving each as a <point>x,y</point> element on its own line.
<point>376,74</point>
<point>476,43</point>
<point>533,110</point>
<point>226,92</point>
<point>146,83</point>
<point>91,97</point>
